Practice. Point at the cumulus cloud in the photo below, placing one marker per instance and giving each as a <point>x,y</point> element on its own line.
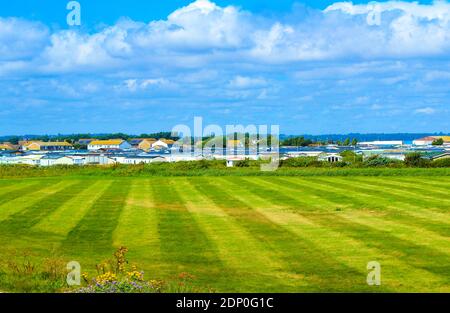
<point>203,33</point>
<point>247,82</point>
<point>426,111</point>
<point>201,53</point>
<point>21,39</point>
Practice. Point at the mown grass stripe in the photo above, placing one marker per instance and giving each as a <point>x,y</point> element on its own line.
<point>93,234</point>
<point>414,215</point>
<point>424,184</point>
<point>418,235</point>
<point>22,190</point>
<point>21,199</point>
<point>7,188</point>
<point>420,275</point>
<point>298,255</point>
<point>184,245</point>
<point>62,220</point>
<point>377,196</point>
<point>416,193</point>
<point>432,182</point>
<point>402,196</point>
<point>345,249</point>
<point>137,228</point>
<point>25,219</point>
<point>249,265</point>
<point>365,199</point>
<point>418,256</point>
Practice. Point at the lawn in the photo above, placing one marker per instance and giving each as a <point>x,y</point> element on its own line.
<point>239,234</point>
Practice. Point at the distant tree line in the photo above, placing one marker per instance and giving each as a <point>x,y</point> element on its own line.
<point>304,142</point>
<point>73,138</point>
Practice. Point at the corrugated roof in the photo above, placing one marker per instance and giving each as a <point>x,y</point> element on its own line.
<point>445,138</point>
<point>107,142</point>
<point>429,138</point>
<point>54,143</point>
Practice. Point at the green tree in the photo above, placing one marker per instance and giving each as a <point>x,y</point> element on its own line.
<point>346,142</point>
<point>354,142</point>
<point>415,159</point>
<point>351,157</point>
<point>438,142</point>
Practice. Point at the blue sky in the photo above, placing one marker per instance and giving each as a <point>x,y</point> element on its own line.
<point>142,66</point>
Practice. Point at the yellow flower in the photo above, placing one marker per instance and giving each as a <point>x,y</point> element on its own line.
<point>135,275</point>
<point>85,277</point>
<point>108,277</point>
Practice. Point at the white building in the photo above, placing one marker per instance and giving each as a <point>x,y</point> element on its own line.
<point>160,145</point>
<point>56,160</point>
<point>297,154</point>
<point>331,158</point>
<point>98,159</point>
<point>382,143</point>
<point>140,160</point>
<point>29,159</point>
<point>426,141</point>
<point>109,144</point>
<point>231,161</point>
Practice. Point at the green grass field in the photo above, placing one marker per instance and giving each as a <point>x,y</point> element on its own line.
<point>241,234</point>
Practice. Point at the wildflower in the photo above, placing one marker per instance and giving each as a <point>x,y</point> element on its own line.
<point>135,275</point>
<point>120,259</point>
<point>108,277</point>
<point>85,277</point>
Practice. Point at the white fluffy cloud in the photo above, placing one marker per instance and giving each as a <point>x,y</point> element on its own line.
<point>243,82</point>
<point>426,111</point>
<point>20,39</point>
<point>204,33</point>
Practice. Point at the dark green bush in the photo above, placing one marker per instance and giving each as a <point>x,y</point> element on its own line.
<point>380,161</point>
<point>415,159</point>
<point>302,162</point>
<point>351,157</point>
<point>243,163</point>
<point>441,163</point>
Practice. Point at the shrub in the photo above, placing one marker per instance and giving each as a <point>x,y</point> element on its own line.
<point>243,163</point>
<point>302,162</point>
<point>416,159</point>
<point>351,157</point>
<point>380,161</point>
<point>441,163</point>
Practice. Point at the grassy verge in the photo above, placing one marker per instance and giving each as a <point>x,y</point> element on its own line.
<point>189,170</point>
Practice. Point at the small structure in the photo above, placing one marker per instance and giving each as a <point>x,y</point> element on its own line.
<point>7,146</point>
<point>160,145</point>
<point>234,144</point>
<point>109,144</point>
<point>29,159</point>
<point>145,144</point>
<point>381,143</point>
<point>442,156</point>
<point>298,154</point>
<point>85,142</point>
<point>51,160</point>
<point>331,158</point>
<point>46,146</point>
<point>231,161</point>
<point>98,159</point>
<point>427,141</point>
<point>142,159</point>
